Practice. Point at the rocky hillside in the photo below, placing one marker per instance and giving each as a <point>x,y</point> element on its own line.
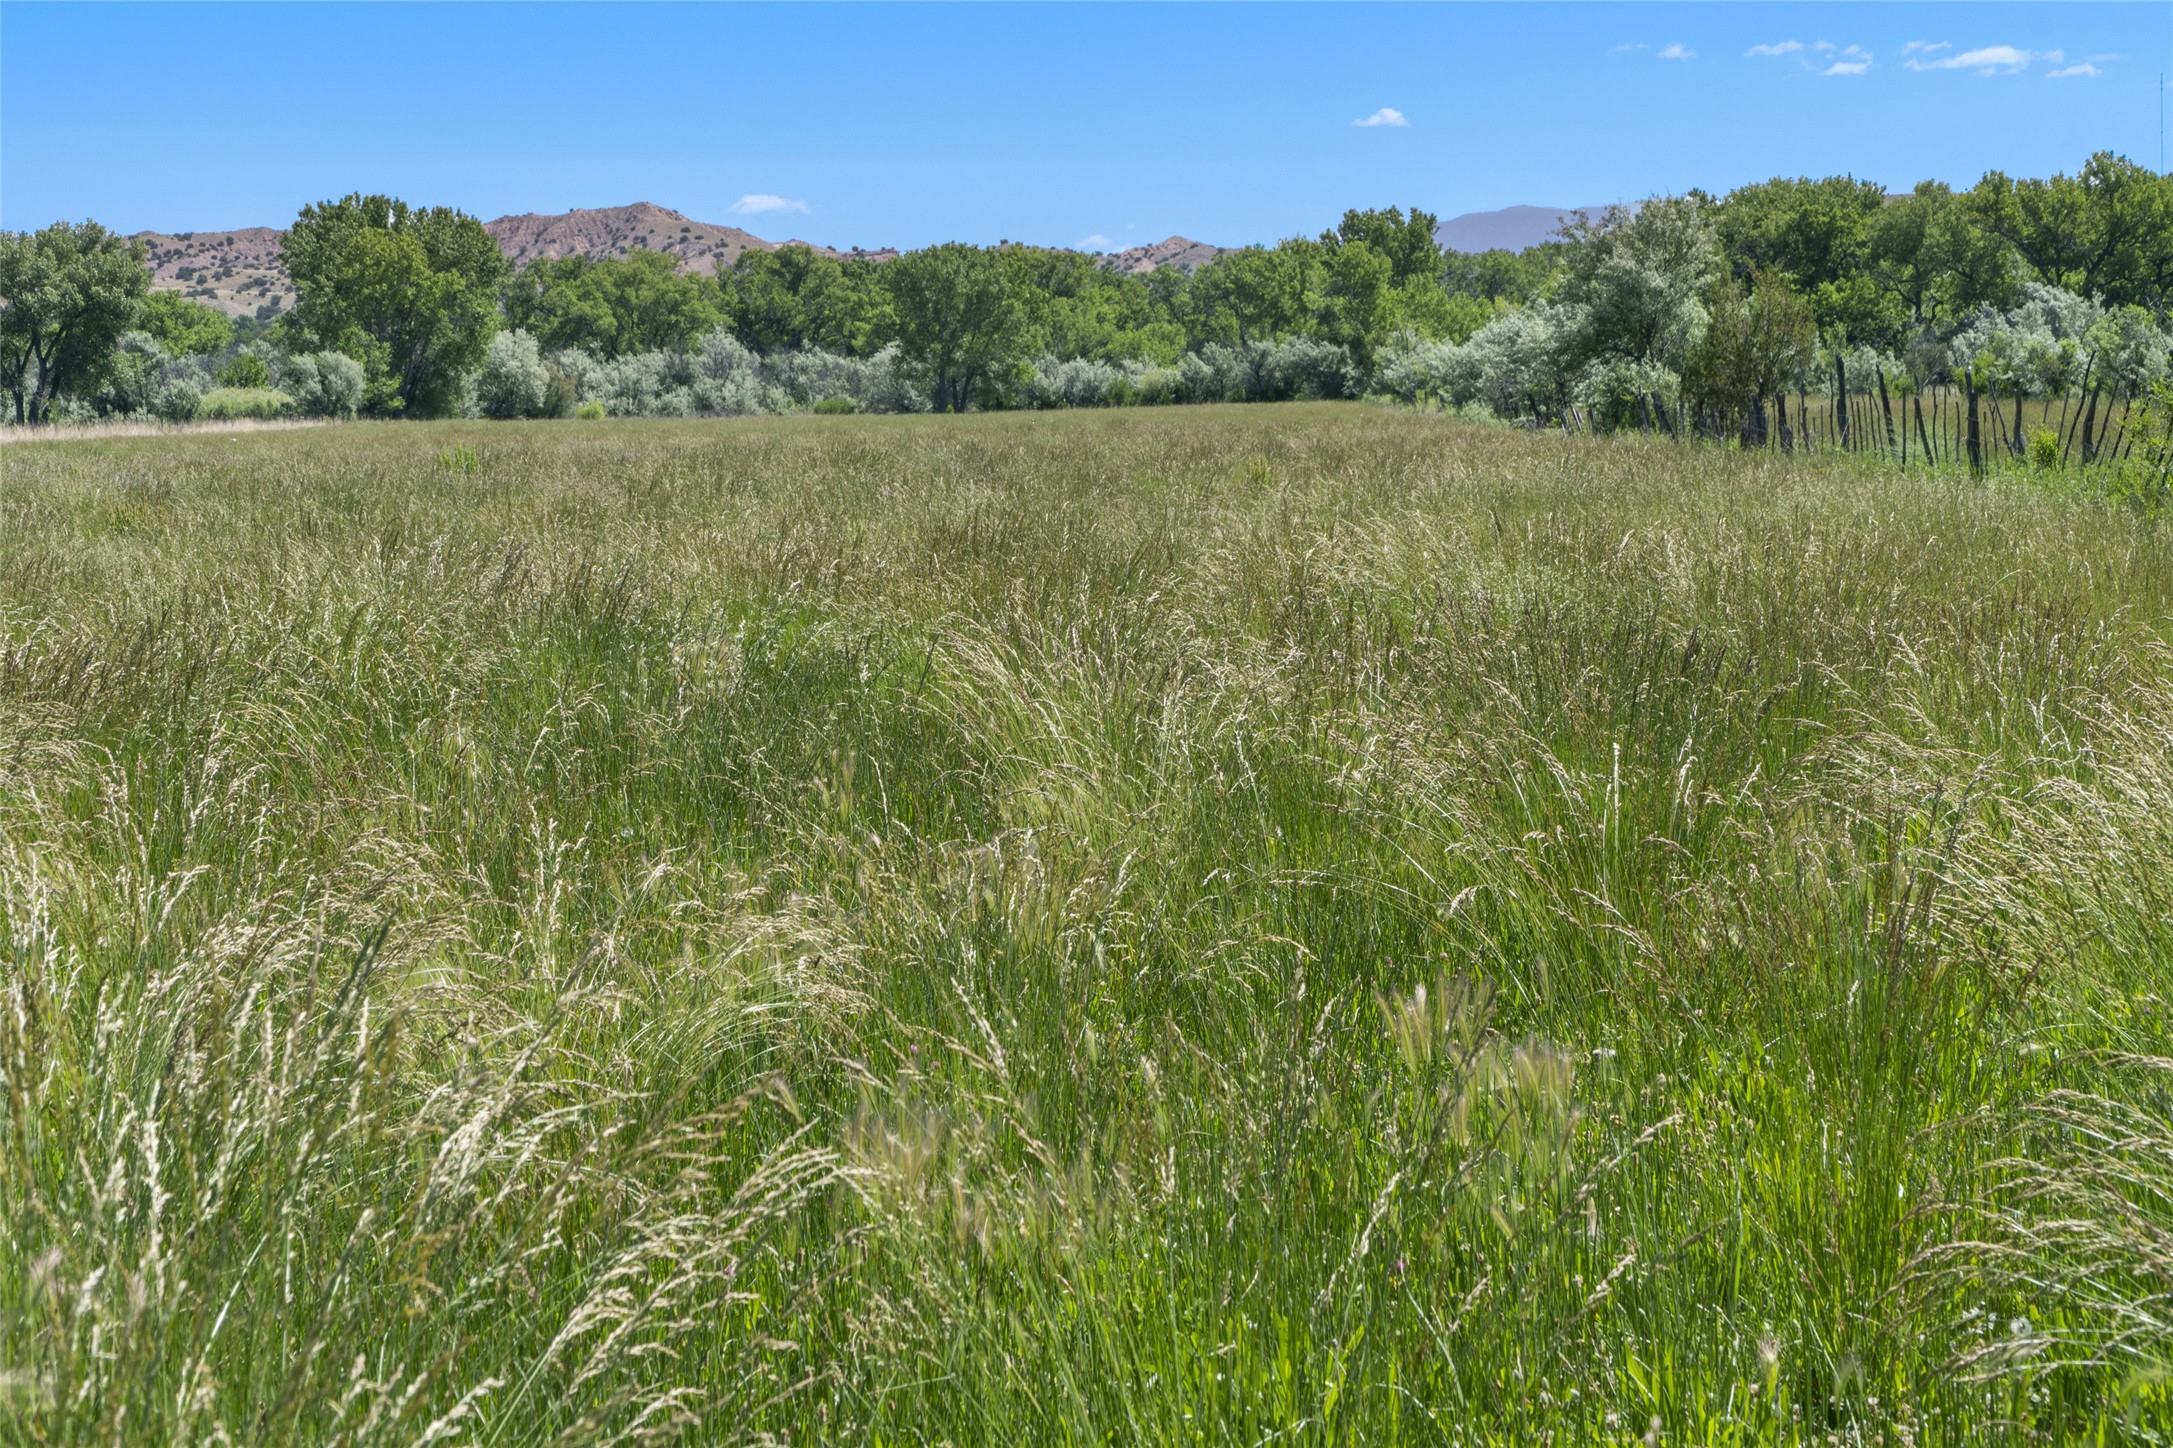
<point>1178,251</point>
<point>616,230</point>
<point>236,271</point>
<point>239,272</point>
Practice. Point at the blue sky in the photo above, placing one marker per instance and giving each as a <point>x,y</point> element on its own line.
<point>1058,124</point>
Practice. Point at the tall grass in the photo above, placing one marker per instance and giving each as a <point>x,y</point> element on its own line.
<point>1300,924</point>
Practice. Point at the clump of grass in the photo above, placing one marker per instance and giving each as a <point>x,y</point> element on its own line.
<point>460,459</point>
<point>228,404</point>
<point>1302,922</point>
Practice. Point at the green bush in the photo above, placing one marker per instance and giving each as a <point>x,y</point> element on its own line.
<point>2045,450</point>
<point>834,405</point>
<point>226,404</point>
<point>323,384</point>
<point>247,370</point>
<point>558,395</point>
<point>590,412</point>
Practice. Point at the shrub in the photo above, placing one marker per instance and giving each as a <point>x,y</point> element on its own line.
<point>323,384</point>
<point>246,371</point>
<point>2045,449</point>
<point>514,382</point>
<point>1078,382</point>
<point>177,400</point>
<point>132,375</point>
<point>590,412</point>
<point>558,395</point>
<point>834,406</point>
<point>722,376</point>
<point>228,404</point>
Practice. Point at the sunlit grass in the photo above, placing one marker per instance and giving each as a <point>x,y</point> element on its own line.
<point>1214,925</point>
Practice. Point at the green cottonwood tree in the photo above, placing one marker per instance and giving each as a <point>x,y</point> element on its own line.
<point>614,306</point>
<point>1755,344</point>
<point>410,294</point>
<point>2105,232</point>
<point>958,322</point>
<point>1406,241</point>
<point>1928,249</point>
<point>70,291</point>
<point>796,297</point>
<point>1250,295</point>
<point>185,328</point>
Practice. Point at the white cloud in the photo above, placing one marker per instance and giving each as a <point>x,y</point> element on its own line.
<point>1385,116</point>
<point>1096,242</point>
<point>1926,47</point>
<point>1675,51</point>
<point>1623,49</point>
<point>2081,67</point>
<point>1837,59</point>
<point>756,205</point>
<point>1985,60</point>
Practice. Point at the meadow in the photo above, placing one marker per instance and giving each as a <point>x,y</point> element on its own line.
<point>1302,923</point>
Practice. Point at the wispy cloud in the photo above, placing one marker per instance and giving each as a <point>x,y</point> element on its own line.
<point>1626,49</point>
<point>1985,60</point>
<point>1096,242</point>
<point>1926,47</point>
<point>757,205</point>
<point>2080,67</point>
<point>1385,116</point>
<point>1837,59</point>
<point>1675,51</point>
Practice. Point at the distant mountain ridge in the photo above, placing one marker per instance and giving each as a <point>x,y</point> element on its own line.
<point>1513,228</point>
<point>1181,252</point>
<point>700,246</point>
<point>239,271</point>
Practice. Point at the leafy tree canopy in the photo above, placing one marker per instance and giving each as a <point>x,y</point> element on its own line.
<point>1405,241</point>
<point>613,306</point>
<point>2105,232</point>
<point>185,328</point>
<point>795,297</point>
<point>411,294</point>
<point>1814,231</point>
<point>959,320</point>
<point>69,292</point>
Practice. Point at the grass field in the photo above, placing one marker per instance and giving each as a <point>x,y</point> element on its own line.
<point>1289,924</point>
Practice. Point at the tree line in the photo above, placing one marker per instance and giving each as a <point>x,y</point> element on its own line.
<point>1695,315</point>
